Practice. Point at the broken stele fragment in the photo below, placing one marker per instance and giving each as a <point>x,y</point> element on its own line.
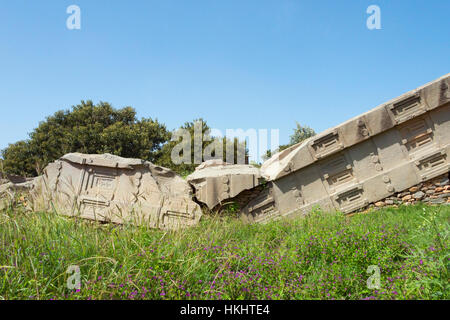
<point>115,189</point>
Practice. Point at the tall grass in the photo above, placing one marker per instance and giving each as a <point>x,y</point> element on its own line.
<point>325,256</point>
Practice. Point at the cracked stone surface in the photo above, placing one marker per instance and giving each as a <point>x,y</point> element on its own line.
<point>216,181</point>
<point>115,189</point>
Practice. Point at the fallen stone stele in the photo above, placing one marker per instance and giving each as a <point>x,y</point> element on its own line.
<point>114,189</point>
<point>391,148</point>
<point>383,152</point>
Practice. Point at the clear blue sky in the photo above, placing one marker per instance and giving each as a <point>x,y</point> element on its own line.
<point>238,64</point>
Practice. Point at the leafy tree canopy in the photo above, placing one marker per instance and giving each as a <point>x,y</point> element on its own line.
<point>86,128</point>
<point>211,147</point>
<point>301,133</point>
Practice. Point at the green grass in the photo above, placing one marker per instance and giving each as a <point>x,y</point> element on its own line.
<point>325,256</point>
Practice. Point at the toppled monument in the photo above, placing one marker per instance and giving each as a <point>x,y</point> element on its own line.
<point>373,156</point>
<point>114,189</point>
<point>216,181</point>
<point>389,149</point>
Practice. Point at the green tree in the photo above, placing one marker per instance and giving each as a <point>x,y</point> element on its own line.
<point>202,129</point>
<point>86,128</point>
<point>165,159</point>
<point>19,159</point>
<point>301,133</point>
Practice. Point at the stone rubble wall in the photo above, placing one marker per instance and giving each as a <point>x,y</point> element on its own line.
<point>434,191</point>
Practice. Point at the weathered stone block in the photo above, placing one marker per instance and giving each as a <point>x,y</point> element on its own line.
<point>419,195</point>
<point>216,181</point>
<point>114,189</point>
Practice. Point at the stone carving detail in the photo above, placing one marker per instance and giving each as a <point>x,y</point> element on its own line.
<point>262,208</point>
<point>375,159</point>
<point>351,199</point>
<point>407,109</point>
<point>326,145</point>
<point>297,193</point>
<point>445,91</point>
<point>114,189</point>
<point>389,187</point>
<point>416,134</point>
<point>363,129</point>
<point>337,171</point>
<point>433,165</point>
